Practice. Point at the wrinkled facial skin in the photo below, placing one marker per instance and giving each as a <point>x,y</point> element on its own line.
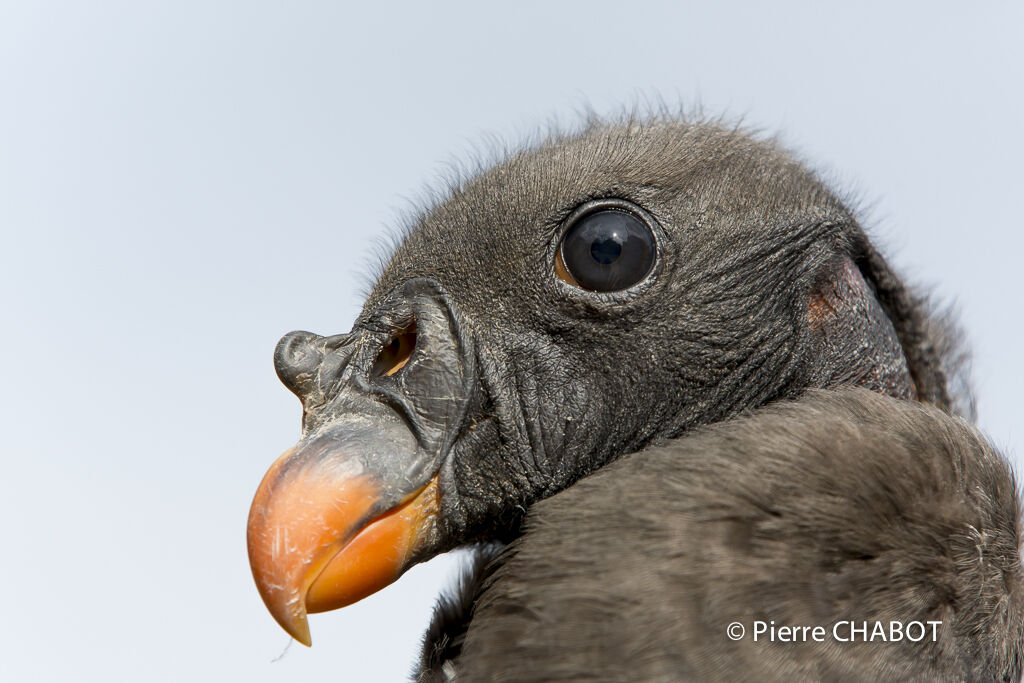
<point>520,383</point>
<point>569,378</point>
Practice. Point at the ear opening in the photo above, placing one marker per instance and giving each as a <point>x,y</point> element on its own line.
<point>857,343</point>
<point>929,342</point>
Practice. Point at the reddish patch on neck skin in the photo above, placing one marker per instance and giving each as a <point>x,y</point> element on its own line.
<point>819,308</point>
<point>858,344</point>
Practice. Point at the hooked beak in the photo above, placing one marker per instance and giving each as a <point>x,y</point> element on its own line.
<point>356,502</point>
<point>324,532</point>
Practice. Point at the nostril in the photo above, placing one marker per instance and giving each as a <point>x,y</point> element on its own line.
<point>396,353</point>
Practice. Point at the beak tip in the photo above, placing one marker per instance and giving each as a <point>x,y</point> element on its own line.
<point>302,635</point>
<point>297,626</point>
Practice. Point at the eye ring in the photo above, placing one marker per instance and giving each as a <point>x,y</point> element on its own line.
<point>608,246</point>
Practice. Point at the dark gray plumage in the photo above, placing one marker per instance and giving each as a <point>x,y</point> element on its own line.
<point>482,384</point>
<point>840,506</point>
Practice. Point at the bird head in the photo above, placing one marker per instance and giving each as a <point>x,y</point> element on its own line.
<point>576,302</point>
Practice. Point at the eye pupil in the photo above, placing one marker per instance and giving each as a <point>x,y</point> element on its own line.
<point>607,249</point>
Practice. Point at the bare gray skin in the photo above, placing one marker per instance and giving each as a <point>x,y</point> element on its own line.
<point>750,245</point>
<point>764,287</point>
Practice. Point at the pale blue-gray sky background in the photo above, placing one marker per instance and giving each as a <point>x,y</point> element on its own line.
<point>183,182</point>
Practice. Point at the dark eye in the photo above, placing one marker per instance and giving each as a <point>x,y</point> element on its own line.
<point>606,250</point>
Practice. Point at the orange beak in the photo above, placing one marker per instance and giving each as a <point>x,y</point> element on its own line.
<point>324,533</point>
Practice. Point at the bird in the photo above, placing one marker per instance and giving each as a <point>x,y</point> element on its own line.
<point>657,375</point>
